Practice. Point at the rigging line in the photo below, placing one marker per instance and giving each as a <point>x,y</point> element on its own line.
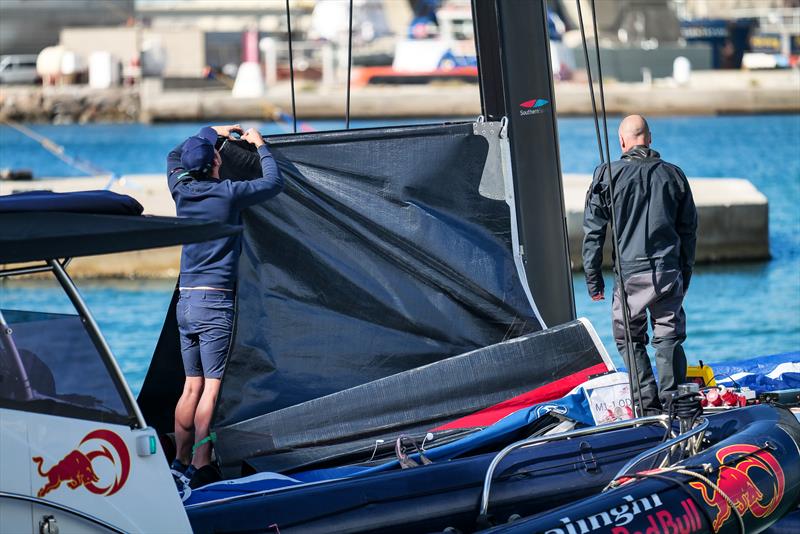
<point>291,64</point>
<point>591,83</point>
<point>349,66</point>
<point>60,152</point>
<point>633,374</point>
<point>276,114</point>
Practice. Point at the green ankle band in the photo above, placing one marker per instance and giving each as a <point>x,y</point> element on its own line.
<point>211,438</point>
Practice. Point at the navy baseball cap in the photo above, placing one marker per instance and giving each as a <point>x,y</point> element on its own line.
<point>198,150</point>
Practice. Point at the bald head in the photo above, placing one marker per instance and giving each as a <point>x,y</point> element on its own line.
<point>634,131</point>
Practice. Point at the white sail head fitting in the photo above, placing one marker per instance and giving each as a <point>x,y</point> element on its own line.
<point>497,183</point>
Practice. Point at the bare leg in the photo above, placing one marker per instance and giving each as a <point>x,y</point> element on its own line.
<point>202,421</point>
<point>184,417</point>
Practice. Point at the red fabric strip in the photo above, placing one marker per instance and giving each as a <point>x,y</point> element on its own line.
<point>553,390</point>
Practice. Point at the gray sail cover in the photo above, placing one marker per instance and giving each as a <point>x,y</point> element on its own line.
<point>383,254</point>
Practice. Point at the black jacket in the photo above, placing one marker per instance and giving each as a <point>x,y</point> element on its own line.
<point>655,212</point>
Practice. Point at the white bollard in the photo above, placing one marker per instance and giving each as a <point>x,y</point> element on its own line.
<point>647,76</point>
<point>249,81</point>
<point>103,70</point>
<point>681,70</point>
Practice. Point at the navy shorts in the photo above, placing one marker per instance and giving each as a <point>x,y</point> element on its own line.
<point>205,323</point>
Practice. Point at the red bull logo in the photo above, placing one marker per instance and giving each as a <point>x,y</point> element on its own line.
<point>737,483</point>
<point>76,468</point>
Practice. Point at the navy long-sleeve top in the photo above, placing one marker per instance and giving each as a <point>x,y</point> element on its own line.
<point>215,263</point>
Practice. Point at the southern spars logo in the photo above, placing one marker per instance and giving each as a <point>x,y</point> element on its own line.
<point>77,468</point>
<point>533,107</point>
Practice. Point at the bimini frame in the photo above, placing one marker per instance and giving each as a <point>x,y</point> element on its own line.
<point>58,268</point>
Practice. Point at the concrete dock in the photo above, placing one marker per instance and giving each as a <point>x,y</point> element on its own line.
<point>733,219</point>
<point>706,93</point>
<point>733,222</point>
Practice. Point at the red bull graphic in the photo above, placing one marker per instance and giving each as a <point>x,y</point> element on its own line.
<point>736,482</point>
<point>76,468</point>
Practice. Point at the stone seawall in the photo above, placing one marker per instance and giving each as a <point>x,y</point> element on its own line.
<point>69,104</point>
<point>733,222</point>
<point>707,93</point>
<point>732,219</point>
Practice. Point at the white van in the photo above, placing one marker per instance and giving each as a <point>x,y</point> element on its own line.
<point>18,69</point>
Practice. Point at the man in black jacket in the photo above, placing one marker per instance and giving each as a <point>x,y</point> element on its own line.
<point>656,225</point>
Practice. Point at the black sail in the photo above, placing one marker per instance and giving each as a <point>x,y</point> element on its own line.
<point>381,255</point>
<point>397,258</point>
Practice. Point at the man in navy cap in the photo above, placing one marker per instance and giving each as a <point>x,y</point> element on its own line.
<point>207,282</point>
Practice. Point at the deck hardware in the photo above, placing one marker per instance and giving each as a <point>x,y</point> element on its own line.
<point>146,445</point>
<point>106,526</point>
<point>662,420</point>
<point>48,525</point>
<point>375,450</point>
<point>587,457</point>
<point>665,446</point>
<point>428,437</point>
<point>407,462</point>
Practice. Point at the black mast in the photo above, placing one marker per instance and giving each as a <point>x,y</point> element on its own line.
<point>516,81</point>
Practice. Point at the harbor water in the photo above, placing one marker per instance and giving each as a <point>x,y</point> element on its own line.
<point>734,310</point>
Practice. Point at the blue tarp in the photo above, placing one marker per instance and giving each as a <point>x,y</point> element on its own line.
<point>766,373</point>
<point>105,202</point>
<point>573,406</point>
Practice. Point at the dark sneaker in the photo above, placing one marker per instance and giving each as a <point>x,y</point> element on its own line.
<point>178,471</point>
<point>178,468</point>
<point>204,475</point>
<point>189,473</point>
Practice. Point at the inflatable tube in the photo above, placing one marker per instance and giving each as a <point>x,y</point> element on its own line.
<point>753,470</point>
<point>539,479</point>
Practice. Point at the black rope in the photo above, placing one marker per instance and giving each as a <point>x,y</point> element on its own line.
<point>291,64</point>
<point>591,84</point>
<point>633,374</point>
<point>735,383</point>
<point>349,66</point>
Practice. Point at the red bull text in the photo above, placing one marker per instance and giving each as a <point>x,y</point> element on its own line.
<point>615,517</point>
<point>643,515</point>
